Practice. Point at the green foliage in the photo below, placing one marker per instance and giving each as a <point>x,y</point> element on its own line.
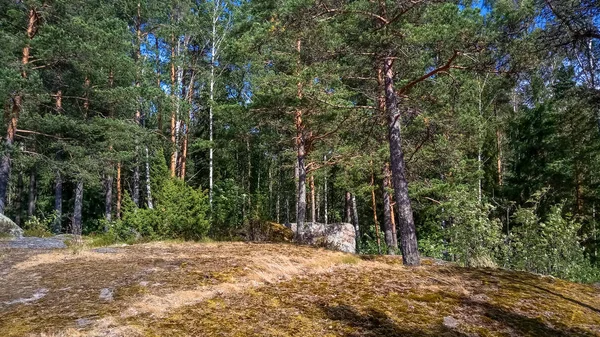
<point>474,237</point>
<point>549,246</point>
<point>180,212</point>
<point>39,227</point>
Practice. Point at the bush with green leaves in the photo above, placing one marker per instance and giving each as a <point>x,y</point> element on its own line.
<point>550,245</point>
<point>179,213</point>
<point>474,236</point>
<point>39,227</point>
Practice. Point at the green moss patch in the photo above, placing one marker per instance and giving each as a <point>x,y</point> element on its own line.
<point>214,290</point>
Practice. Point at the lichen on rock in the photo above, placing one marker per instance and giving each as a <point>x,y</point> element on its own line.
<point>337,236</point>
<point>9,229</point>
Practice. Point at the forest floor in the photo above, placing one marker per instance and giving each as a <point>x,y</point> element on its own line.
<point>242,289</point>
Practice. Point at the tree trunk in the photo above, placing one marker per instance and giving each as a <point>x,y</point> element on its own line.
<point>387,213</point>
<point>211,104</point>
<point>19,200</point>
<point>58,189</point>
<point>32,26</point>
<point>77,210</point>
<point>148,185</point>
<point>135,193</point>
<point>8,148</point>
<point>32,194</point>
<point>313,208</point>
<point>355,222</point>
<point>348,208</point>
<point>174,110</point>
<point>408,235</point>
<point>301,193</point>
<point>159,119</point>
<point>325,210</point>
<point>184,152</point>
<point>108,185</point>
<point>499,163</point>
<point>119,195</point>
<point>300,146</point>
<point>375,211</point>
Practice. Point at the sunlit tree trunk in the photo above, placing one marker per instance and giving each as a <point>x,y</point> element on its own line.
<point>301,154</point>
<point>348,208</point>
<point>108,182</point>
<point>388,216</point>
<point>78,208</point>
<point>148,182</point>
<point>408,235</point>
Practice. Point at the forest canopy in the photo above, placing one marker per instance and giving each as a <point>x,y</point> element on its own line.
<point>461,130</point>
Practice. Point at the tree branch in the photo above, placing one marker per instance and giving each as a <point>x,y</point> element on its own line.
<point>445,67</point>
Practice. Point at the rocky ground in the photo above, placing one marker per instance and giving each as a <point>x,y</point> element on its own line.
<point>57,242</point>
<point>240,289</point>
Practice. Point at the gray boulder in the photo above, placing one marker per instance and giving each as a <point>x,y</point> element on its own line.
<point>9,228</point>
<point>337,236</point>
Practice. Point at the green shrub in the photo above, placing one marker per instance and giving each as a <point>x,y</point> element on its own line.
<point>39,227</point>
<point>180,212</point>
<point>551,246</point>
<point>474,237</point>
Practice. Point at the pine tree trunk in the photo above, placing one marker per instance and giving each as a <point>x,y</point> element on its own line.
<point>119,193</point>
<point>375,211</point>
<point>348,208</point>
<point>148,182</point>
<point>210,109</point>
<point>184,148</point>
<point>108,185</point>
<point>277,208</point>
<point>313,207</point>
<point>301,193</point>
<point>58,189</point>
<point>19,200</point>
<point>174,110</point>
<point>138,114</point>
<point>159,117</point>
<point>325,206</point>
<point>77,210</point>
<point>387,212</point>
<point>135,193</point>
<point>355,222</point>
<point>17,100</point>
<point>499,162</point>
<point>408,235</point>
<point>300,146</point>
<point>32,194</point>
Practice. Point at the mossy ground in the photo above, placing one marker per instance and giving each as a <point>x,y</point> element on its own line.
<point>238,289</point>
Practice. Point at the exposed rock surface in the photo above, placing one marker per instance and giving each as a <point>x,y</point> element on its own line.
<point>106,294</point>
<point>266,231</point>
<point>450,322</point>
<point>57,242</point>
<point>338,236</point>
<point>9,228</point>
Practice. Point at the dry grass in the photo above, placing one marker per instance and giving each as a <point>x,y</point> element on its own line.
<point>65,256</point>
<point>238,289</point>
